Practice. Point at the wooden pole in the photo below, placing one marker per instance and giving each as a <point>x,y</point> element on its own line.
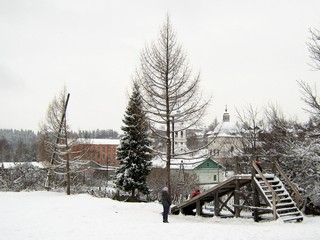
<point>198,208</point>
<point>216,203</point>
<point>255,191</point>
<point>237,199</point>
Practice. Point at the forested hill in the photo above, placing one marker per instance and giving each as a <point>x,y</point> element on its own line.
<point>14,136</point>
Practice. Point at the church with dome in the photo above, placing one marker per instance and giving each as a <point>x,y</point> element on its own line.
<point>225,140</point>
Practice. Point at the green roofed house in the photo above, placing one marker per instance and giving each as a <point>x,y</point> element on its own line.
<point>206,170</point>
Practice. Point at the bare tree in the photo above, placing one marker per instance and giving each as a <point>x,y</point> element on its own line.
<point>157,179</point>
<point>309,94</point>
<point>310,97</point>
<point>58,145</point>
<point>278,130</point>
<point>250,126</point>
<point>170,94</point>
<point>314,48</point>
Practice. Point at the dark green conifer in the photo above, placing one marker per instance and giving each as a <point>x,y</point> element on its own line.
<point>134,152</point>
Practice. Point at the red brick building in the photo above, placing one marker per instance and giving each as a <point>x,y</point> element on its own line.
<point>102,151</point>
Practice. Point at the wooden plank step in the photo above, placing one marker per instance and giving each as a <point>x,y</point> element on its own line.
<point>286,209</point>
<point>299,219</point>
<point>276,190</point>
<point>274,187</point>
<point>271,182</point>
<point>281,196</point>
<point>290,214</point>
<point>284,204</point>
<point>286,200</point>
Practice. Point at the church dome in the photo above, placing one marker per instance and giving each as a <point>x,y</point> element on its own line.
<point>226,128</point>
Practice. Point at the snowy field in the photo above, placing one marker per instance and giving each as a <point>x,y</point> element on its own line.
<point>48,215</point>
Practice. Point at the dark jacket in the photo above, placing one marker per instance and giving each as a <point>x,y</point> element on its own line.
<point>166,200</point>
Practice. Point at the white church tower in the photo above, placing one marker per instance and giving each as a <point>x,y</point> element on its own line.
<point>179,139</point>
<point>225,139</point>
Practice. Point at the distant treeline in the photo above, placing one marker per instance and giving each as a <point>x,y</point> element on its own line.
<point>24,145</point>
<point>110,134</point>
<point>18,145</point>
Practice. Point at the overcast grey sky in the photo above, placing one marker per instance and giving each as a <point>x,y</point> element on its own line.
<point>248,52</point>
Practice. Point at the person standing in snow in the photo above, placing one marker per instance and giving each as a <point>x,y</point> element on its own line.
<point>166,202</point>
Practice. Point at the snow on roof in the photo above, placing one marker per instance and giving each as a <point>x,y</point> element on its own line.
<point>176,162</point>
<point>8,165</point>
<point>99,141</point>
<point>225,129</point>
<point>188,163</point>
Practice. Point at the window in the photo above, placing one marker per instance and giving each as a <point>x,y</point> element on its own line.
<point>182,134</point>
<point>214,177</point>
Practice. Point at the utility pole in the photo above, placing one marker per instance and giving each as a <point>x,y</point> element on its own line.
<point>172,135</point>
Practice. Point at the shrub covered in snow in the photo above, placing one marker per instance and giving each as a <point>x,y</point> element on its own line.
<point>22,177</point>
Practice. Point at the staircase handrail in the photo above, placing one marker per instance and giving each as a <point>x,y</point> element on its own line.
<point>275,197</point>
<point>297,195</point>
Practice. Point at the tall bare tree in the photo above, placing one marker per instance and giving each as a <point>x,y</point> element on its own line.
<point>170,93</point>
<point>58,144</point>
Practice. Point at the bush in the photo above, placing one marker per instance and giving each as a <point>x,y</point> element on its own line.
<point>22,177</point>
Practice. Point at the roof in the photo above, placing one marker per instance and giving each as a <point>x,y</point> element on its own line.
<point>225,129</point>
<point>99,141</point>
<point>8,165</point>
<point>188,164</point>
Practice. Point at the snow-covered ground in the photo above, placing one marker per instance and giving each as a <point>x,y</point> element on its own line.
<point>49,215</point>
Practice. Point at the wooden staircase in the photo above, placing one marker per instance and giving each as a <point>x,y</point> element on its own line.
<point>275,195</point>
<point>264,186</point>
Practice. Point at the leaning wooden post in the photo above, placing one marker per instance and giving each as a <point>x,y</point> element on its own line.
<point>198,208</point>
<point>216,203</point>
<point>255,191</point>
<point>237,199</point>
<point>274,167</point>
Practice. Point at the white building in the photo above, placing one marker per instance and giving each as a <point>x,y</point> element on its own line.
<point>180,139</point>
<point>225,140</point>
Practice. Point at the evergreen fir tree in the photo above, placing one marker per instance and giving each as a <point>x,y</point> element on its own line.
<point>134,152</point>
